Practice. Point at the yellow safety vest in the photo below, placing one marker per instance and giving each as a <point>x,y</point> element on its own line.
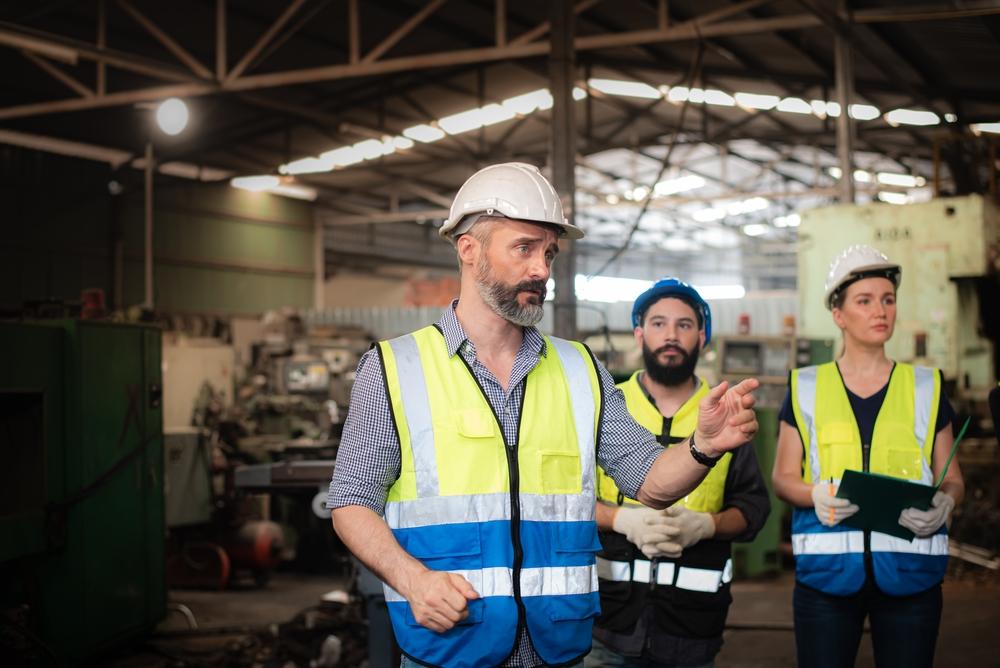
<point>708,497</point>
<point>515,519</point>
<point>831,559</point>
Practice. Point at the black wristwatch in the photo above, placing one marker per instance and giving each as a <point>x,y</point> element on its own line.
<point>701,457</point>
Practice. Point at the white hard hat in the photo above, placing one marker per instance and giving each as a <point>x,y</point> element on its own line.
<point>512,190</point>
<point>855,263</point>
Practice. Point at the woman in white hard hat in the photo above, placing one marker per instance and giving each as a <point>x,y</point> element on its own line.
<point>868,413</point>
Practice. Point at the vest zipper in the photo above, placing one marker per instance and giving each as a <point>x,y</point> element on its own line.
<point>515,506</point>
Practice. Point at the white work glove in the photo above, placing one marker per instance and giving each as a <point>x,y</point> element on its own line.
<point>644,527</point>
<point>926,522</point>
<point>684,528</point>
<point>829,509</point>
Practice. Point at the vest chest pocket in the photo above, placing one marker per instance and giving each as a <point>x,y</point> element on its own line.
<point>477,463</point>
<point>897,453</point>
<point>839,449</point>
<point>559,472</point>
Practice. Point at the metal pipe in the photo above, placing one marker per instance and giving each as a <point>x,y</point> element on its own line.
<point>562,158</point>
<point>845,124</point>
<point>148,257</point>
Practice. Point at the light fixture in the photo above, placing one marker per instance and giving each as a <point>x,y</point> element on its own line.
<point>794,105</point>
<point>986,127</point>
<point>754,229</point>
<point>172,116</point>
<point>529,102</point>
<point>255,183</point>
<point>679,185</point>
<point>901,180</point>
<point>424,133</point>
<point>893,198</point>
<point>719,98</point>
<point>624,88</point>
<point>864,112</point>
<point>912,117</point>
<point>791,220</point>
<point>757,101</point>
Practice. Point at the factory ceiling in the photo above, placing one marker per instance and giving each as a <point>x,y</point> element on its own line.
<point>719,116</point>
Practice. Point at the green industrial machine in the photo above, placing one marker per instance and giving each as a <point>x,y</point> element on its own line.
<point>81,487</point>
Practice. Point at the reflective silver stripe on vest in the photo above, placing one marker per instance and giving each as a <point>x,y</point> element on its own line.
<point>640,570</point>
<point>936,545</point>
<point>486,582</point>
<point>558,580</point>
<point>414,513</point>
<point>922,408</point>
<point>806,397</point>
<point>417,410</point>
<point>833,542</point>
<point>577,371</point>
<point>699,579</point>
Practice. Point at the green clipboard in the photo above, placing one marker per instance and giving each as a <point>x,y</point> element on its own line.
<point>881,498</point>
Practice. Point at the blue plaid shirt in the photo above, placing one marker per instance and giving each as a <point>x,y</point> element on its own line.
<point>368,459</point>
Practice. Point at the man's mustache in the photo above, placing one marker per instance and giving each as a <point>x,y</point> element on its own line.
<point>670,347</point>
<point>532,286</point>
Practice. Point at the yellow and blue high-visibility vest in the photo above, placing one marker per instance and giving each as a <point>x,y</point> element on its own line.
<point>514,519</point>
<point>690,593</point>
<point>831,559</point>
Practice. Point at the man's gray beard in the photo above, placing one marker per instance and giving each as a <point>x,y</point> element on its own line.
<point>502,299</point>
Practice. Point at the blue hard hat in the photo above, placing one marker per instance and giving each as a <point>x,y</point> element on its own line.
<point>667,287</point>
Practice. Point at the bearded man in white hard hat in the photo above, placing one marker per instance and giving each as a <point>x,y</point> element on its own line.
<point>465,477</point>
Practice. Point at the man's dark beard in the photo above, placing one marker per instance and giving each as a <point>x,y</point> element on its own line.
<point>670,375</point>
<point>502,297</point>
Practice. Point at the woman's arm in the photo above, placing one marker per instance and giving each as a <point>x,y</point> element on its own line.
<point>787,473</point>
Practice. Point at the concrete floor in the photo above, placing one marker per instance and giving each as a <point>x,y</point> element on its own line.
<point>970,629</point>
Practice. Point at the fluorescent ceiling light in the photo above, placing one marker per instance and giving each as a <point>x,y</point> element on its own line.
<point>401,143</point>
<point>860,175</point>
<point>529,102</point>
<point>638,193</point>
<point>864,112</point>
<point>756,101</point>
<point>912,117</point>
<point>901,180</point>
<point>495,113</point>
<point>344,156</point>
<point>794,105</point>
<point>754,229</point>
<point>461,122</point>
<point>373,148</point>
<point>294,191</point>
<point>678,93</point>
<point>579,93</point>
<point>893,198</point>
<point>951,118</point>
<point>747,206</point>
<point>987,127</point>
<point>308,165</point>
<point>719,98</point>
<point>609,289</point>
<point>679,185</point>
<point>791,220</point>
<point>255,183</point>
<point>425,133</point>
<point>625,88</point>
<point>819,107</point>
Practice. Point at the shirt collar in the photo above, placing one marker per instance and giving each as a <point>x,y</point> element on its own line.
<point>454,335</point>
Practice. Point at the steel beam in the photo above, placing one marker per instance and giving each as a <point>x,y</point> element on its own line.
<point>562,158</point>
<point>166,40</point>
<point>264,40</point>
<point>57,73</point>
<point>845,124</point>
<point>402,31</point>
<point>220,40</point>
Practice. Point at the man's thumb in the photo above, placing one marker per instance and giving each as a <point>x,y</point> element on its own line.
<point>463,586</point>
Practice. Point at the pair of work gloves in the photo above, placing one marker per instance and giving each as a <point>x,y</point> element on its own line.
<point>662,533</point>
<point>832,510</point>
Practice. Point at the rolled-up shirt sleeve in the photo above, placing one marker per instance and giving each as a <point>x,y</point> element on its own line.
<point>625,449</point>
<point>368,459</point>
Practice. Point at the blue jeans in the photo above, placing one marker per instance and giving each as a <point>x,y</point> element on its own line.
<point>602,657</point>
<point>407,662</point>
<point>828,628</point>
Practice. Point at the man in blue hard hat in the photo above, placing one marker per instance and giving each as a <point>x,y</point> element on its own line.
<point>664,574</point>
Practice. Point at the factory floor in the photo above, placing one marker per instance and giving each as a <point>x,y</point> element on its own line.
<point>970,629</point>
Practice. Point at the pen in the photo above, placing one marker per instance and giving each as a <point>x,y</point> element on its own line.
<point>832,492</point>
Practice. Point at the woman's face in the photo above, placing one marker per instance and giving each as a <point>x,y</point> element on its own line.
<point>868,312</point>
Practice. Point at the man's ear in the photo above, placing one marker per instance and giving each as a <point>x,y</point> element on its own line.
<point>468,248</point>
